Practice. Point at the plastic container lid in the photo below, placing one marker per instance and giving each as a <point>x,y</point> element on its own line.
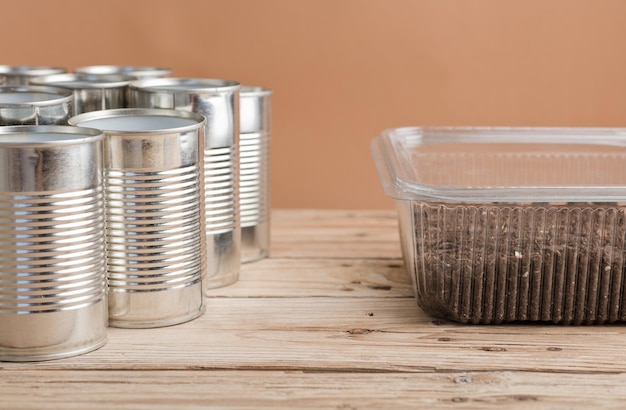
<point>503,164</point>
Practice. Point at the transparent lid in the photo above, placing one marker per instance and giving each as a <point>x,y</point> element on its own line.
<point>503,164</point>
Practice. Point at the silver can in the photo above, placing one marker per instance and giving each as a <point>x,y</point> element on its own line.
<point>155,240</point>
<point>35,105</point>
<point>91,92</point>
<point>254,148</point>
<point>52,243</point>
<point>22,74</point>
<point>218,101</point>
<point>138,72</point>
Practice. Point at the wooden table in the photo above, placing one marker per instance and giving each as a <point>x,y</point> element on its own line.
<point>330,321</point>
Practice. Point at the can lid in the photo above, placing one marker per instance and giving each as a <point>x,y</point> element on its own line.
<point>31,71</point>
<point>138,72</point>
<point>185,85</point>
<point>32,95</point>
<point>84,81</point>
<point>20,136</point>
<point>140,121</point>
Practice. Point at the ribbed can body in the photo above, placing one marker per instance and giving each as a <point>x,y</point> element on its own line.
<point>218,101</point>
<point>155,244</point>
<point>35,105</point>
<point>53,300</point>
<point>254,152</point>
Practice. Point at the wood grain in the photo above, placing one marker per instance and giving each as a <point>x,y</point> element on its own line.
<point>355,334</point>
<point>306,277</point>
<point>334,234</point>
<point>199,389</point>
<point>330,327</point>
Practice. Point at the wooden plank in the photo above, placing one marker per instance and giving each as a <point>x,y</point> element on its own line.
<point>349,334</point>
<point>330,321</point>
<point>334,234</point>
<point>320,277</point>
<point>303,219</point>
<point>277,389</point>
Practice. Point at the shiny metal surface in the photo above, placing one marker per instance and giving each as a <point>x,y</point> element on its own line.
<point>254,151</point>
<point>155,238</point>
<point>52,243</point>
<point>218,101</point>
<point>138,72</point>
<point>21,74</point>
<point>255,109</point>
<point>91,92</point>
<point>35,105</point>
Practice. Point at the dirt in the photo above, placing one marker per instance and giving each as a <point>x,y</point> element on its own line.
<point>495,263</point>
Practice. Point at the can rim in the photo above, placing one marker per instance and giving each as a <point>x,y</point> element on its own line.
<point>64,95</point>
<point>185,85</point>
<point>83,135</point>
<point>121,69</point>
<point>28,70</point>
<point>200,119</point>
<point>254,91</point>
<point>75,81</point>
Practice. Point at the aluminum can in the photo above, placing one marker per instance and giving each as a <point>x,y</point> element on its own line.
<point>155,240</point>
<point>53,300</point>
<point>218,101</point>
<point>254,150</point>
<point>35,105</point>
<point>21,74</point>
<point>91,92</point>
<point>138,72</point>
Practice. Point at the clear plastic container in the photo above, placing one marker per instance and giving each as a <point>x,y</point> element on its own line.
<point>511,224</point>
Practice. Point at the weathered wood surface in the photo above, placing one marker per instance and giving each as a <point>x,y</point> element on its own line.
<point>153,389</point>
<point>335,234</point>
<point>333,325</point>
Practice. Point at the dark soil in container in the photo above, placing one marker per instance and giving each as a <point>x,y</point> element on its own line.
<point>494,263</point>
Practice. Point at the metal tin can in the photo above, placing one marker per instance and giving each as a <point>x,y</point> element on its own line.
<point>254,147</point>
<point>3,80</point>
<point>34,105</point>
<point>91,92</point>
<point>21,74</point>
<point>218,101</point>
<point>138,72</point>
<point>52,243</point>
<point>155,240</point>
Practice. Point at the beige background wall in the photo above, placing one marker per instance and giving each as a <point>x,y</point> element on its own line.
<point>343,70</point>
